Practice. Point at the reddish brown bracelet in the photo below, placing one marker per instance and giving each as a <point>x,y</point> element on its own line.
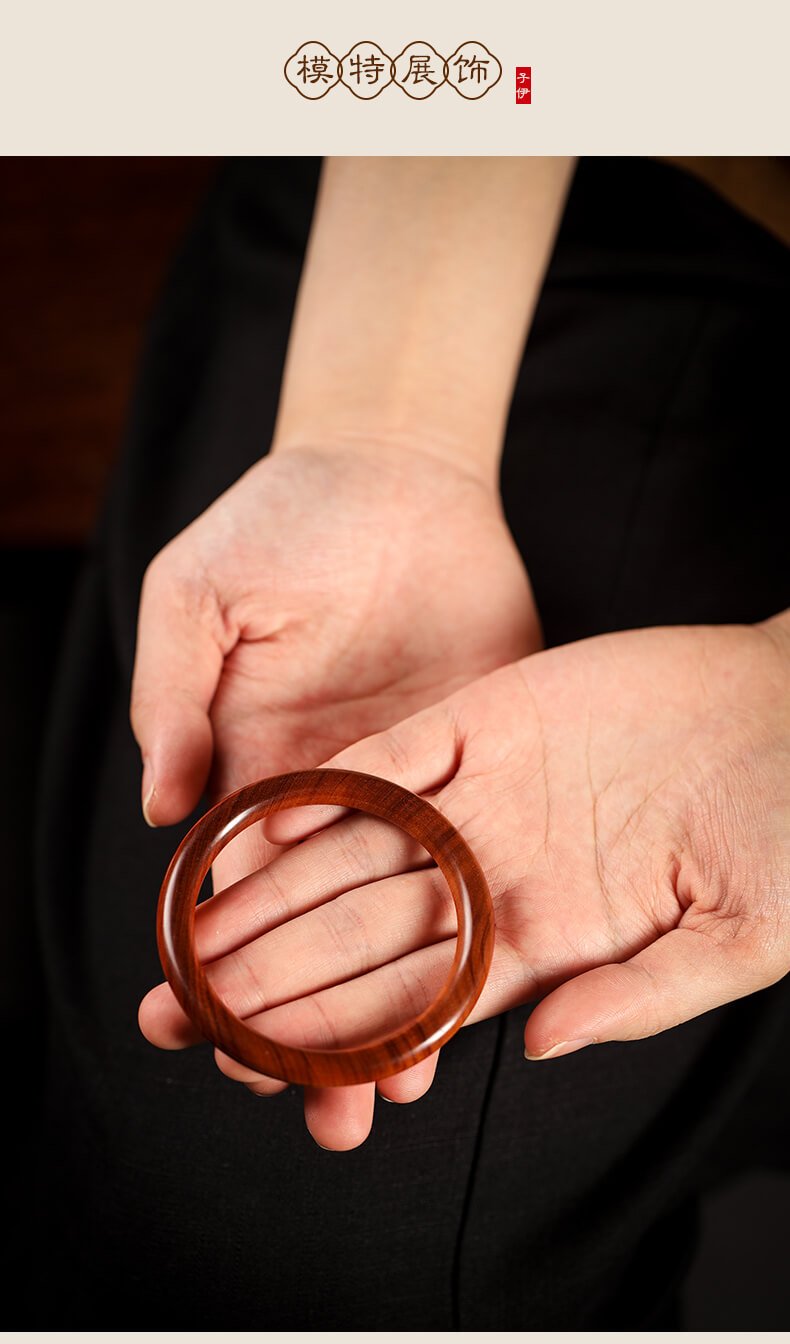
<point>358,1064</point>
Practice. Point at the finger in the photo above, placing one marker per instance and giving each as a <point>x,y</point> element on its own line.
<point>421,754</point>
<point>373,1005</point>
<point>163,1021</point>
<point>250,746</point>
<point>247,854</point>
<point>181,643</point>
<point>357,851</point>
<point>348,857</point>
<point>257,1083</point>
<point>339,1118</point>
<point>348,937</point>
<point>686,972</point>
<point>410,1085</point>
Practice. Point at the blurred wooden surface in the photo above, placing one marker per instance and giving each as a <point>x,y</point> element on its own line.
<point>84,244</point>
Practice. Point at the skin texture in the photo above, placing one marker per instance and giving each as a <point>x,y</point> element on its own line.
<point>626,796</point>
<point>623,794</point>
<point>419,285</point>
<point>362,570</point>
<point>294,617</point>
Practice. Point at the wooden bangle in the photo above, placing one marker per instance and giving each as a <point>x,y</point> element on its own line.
<point>387,1054</point>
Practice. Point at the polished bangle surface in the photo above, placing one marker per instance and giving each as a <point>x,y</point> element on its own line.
<point>386,1054</point>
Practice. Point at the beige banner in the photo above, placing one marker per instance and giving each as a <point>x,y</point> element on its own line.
<point>188,76</point>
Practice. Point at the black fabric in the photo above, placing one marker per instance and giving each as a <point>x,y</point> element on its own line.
<point>640,481</point>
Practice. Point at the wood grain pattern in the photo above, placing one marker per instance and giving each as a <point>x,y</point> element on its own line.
<point>387,1054</point>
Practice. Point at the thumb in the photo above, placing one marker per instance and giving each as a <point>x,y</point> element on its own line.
<point>684,973</point>
<point>178,662</point>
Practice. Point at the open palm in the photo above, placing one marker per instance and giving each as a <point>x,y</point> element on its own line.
<point>327,594</point>
<point>625,798</point>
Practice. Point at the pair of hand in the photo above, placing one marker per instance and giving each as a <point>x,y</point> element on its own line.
<point>625,794</point>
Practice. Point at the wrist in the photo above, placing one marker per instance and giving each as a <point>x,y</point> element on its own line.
<point>395,442</point>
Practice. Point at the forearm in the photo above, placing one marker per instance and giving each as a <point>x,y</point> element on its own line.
<point>420,280</point>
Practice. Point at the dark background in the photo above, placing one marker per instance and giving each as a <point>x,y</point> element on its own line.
<point>84,244</point>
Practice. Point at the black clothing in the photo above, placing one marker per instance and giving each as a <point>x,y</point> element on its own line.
<point>639,480</point>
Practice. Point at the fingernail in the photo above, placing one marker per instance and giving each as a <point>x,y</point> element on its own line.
<point>148,791</point>
<point>561,1048</point>
<point>147,801</point>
